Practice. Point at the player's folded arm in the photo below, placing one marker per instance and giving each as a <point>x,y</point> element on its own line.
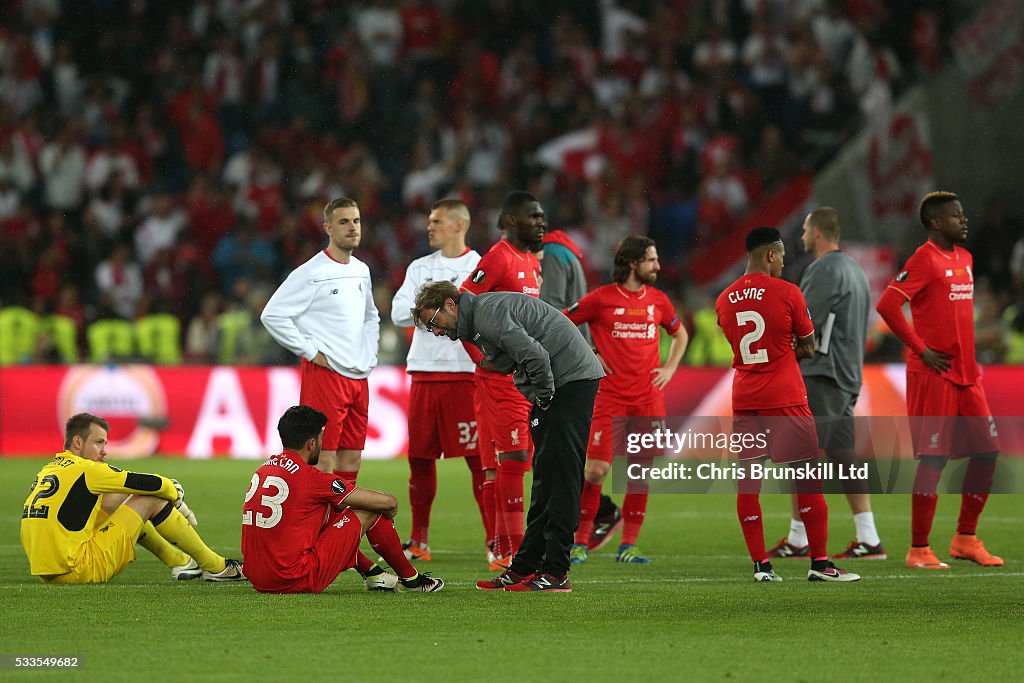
<point>369,500</point>
<point>105,478</point>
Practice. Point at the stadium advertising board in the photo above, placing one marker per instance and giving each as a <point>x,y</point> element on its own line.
<point>203,412</point>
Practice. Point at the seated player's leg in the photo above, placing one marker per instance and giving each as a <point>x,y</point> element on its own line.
<point>334,551</point>
<point>173,526</point>
<point>108,552</point>
<point>380,532</point>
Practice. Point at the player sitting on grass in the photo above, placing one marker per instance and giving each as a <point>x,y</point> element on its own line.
<point>82,518</point>
<point>301,527</point>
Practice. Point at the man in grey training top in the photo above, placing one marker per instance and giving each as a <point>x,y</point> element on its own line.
<point>838,298</point>
<point>556,370</point>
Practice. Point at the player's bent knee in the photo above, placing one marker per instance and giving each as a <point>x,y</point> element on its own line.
<point>366,519</point>
<point>150,507</point>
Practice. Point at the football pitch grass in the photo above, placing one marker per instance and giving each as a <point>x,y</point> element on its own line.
<point>694,613</point>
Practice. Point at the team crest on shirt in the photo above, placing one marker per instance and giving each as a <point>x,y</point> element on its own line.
<point>338,486</point>
<point>479,276</point>
<point>650,312</point>
<point>903,276</point>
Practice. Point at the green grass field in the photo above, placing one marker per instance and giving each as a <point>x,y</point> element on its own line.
<point>694,613</point>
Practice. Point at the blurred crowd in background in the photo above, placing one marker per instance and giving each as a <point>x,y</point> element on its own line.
<point>164,165</point>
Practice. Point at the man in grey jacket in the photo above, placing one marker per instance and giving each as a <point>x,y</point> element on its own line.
<point>556,370</point>
<point>839,300</point>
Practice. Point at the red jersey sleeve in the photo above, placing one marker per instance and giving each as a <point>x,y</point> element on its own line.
<point>490,271</point>
<point>328,488</point>
<point>914,277</point>
<point>802,325</point>
<point>584,310</point>
<point>669,319</point>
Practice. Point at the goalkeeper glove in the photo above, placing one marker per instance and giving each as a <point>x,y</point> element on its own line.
<point>190,516</point>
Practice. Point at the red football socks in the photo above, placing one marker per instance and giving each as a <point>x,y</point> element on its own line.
<point>477,475</point>
<point>748,509</point>
<point>814,515</point>
<point>422,489</point>
<point>490,516</point>
<point>634,509</point>
<point>922,503</point>
<point>363,563</point>
<point>510,505</point>
<point>348,476</point>
<point>384,539</point>
<point>977,485</point>
<point>590,500</point>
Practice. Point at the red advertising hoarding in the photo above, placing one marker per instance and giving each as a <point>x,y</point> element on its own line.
<point>217,411</point>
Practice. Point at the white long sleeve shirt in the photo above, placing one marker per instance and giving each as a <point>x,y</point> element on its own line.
<point>327,306</point>
<point>427,352</point>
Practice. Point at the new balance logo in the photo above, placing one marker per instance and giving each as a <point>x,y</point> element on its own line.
<point>751,518</point>
<point>334,291</point>
<point>860,550</point>
<point>619,311</point>
<point>949,273</point>
<point>522,275</point>
<point>542,581</point>
<point>534,422</point>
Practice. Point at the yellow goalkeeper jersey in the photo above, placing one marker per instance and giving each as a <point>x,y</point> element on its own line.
<point>62,510</point>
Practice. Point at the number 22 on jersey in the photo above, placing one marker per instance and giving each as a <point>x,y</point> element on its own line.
<point>273,501</point>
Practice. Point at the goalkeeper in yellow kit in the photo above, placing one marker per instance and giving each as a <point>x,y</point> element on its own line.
<point>82,518</point>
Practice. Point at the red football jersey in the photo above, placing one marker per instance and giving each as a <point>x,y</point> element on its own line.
<point>624,325</point>
<point>285,508</point>
<point>940,287</point>
<point>502,269</point>
<point>761,316</point>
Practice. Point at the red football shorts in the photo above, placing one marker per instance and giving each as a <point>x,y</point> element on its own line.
<point>502,418</point>
<point>789,436</point>
<point>442,422</point>
<point>333,552</point>
<point>949,419</point>
<point>602,424</point>
<point>344,401</point>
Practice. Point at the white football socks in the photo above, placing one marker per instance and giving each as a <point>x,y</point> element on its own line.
<point>866,532</point>
<point>797,533</point>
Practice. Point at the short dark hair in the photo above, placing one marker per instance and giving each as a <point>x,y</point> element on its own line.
<point>630,250</point>
<point>513,202</point>
<point>338,203</point>
<point>453,205</point>
<point>80,425</point>
<point>298,425</point>
<point>762,236</point>
<point>826,219</point>
<point>932,201</point>
<point>432,296</point>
